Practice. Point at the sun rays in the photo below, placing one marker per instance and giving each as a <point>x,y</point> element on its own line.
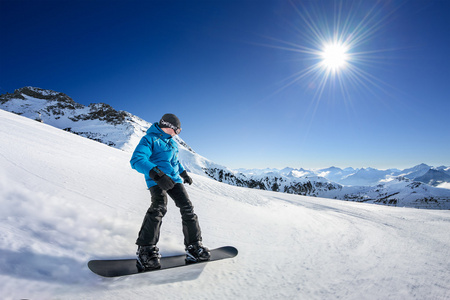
<point>335,41</point>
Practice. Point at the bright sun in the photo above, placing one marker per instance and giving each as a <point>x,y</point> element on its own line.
<point>334,56</point>
<point>334,45</point>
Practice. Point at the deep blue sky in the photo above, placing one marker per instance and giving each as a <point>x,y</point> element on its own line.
<point>228,70</point>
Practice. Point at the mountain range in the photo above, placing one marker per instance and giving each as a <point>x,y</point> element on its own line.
<point>421,186</point>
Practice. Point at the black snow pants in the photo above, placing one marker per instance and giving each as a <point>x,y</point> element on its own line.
<point>149,233</point>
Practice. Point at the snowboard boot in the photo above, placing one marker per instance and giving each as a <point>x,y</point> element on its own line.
<point>148,258</point>
<point>196,252</point>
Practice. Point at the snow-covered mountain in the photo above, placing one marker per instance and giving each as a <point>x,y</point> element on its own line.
<point>98,121</point>
<point>66,200</point>
<point>434,177</point>
<point>367,176</point>
<point>395,191</point>
<point>122,130</point>
<point>424,173</point>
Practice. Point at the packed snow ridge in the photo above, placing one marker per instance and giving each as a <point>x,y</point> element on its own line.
<point>421,186</point>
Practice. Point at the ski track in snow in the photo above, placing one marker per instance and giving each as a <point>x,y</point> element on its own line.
<point>66,199</point>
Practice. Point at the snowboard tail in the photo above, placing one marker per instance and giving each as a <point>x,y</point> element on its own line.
<point>123,267</point>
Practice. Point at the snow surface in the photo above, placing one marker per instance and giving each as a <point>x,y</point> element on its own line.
<point>66,199</point>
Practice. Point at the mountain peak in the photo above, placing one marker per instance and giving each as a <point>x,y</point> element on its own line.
<point>98,121</point>
<point>39,93</point>
<point>433,177</point>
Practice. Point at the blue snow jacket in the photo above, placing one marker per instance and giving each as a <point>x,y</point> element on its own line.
<point>157,148</point>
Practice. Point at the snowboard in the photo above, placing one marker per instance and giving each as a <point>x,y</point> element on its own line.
<point>123,267</point>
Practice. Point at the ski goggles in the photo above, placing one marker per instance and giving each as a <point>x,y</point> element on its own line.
<point>170,125</point>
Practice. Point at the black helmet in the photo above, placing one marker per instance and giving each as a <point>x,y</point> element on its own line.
<point>170,121</point>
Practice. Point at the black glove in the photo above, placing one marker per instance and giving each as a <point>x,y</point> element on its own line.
<point>186,177</point>
<point>161,179</point>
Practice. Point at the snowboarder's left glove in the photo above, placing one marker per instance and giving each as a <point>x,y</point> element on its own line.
<point>186,178</point>
<point>162,180</point>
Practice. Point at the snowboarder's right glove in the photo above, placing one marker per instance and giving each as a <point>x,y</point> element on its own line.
<point>161,179</point>
<point>186,178</point>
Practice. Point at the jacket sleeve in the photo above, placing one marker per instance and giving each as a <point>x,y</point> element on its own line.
<point>181,169</point>
<point>140,160</point>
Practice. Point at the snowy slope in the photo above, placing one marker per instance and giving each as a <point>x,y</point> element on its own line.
<point>66,199</point>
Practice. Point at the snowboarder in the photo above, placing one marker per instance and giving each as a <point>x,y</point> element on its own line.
<point>156,156</point>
